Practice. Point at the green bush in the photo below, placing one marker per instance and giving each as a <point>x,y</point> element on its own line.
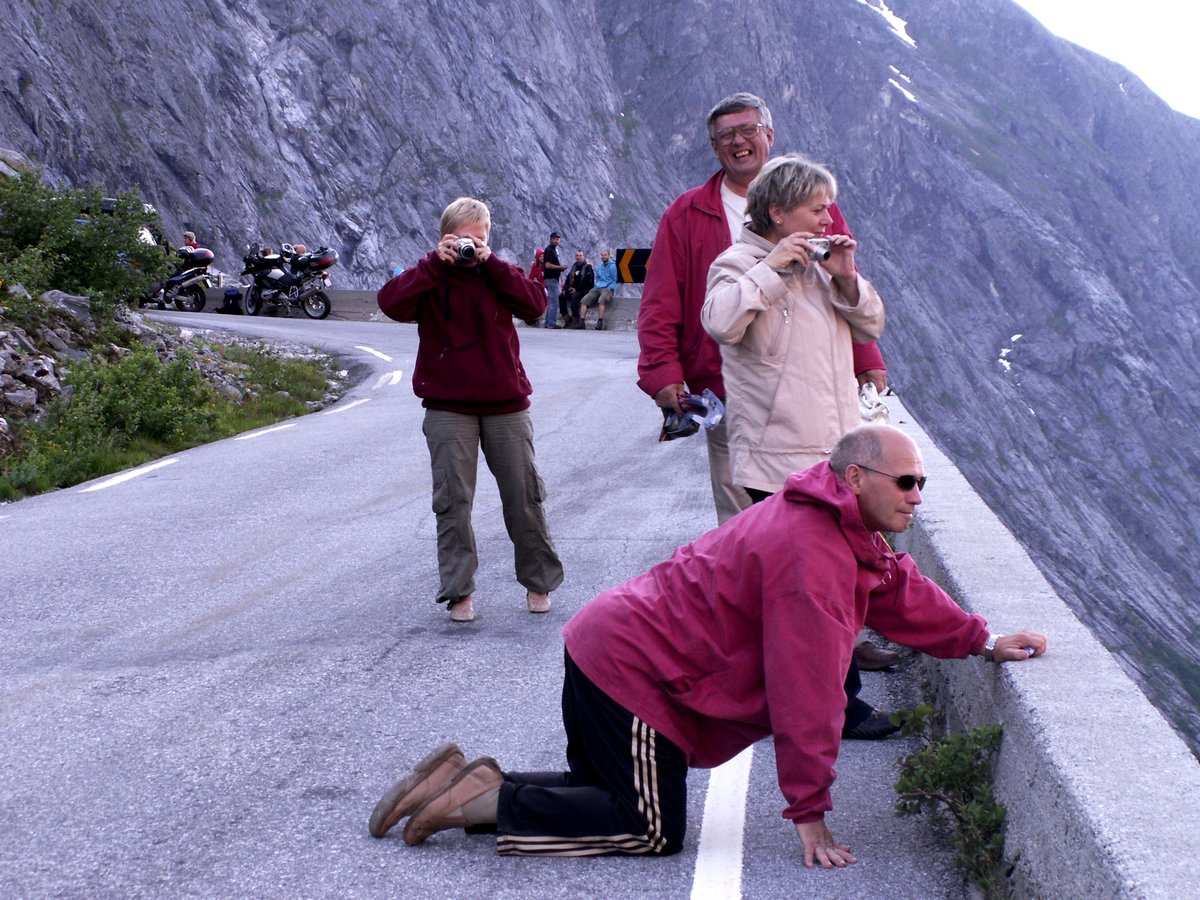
<point>68,240</point>
<point>142,398</point>
<point>120,414</point>
<point>125,413</point>
<point>951,775</point>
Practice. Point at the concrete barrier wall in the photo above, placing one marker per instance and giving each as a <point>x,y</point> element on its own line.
<point>1103,796</point>
<point>361,305</point>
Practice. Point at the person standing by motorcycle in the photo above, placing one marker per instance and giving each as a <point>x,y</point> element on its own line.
<point>469,377</point>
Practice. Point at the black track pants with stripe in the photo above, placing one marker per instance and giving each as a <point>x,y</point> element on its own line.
<point>626,791</point>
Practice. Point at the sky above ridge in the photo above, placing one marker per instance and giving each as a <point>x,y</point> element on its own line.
<point>1155,39</point>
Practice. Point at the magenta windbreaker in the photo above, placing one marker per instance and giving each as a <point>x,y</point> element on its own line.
<point>748,632</point>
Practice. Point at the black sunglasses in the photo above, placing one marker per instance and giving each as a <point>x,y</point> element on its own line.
<point>904,482</point>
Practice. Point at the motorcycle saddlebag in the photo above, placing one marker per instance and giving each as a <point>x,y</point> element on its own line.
<point>323,258</point>
<point>197,255</point>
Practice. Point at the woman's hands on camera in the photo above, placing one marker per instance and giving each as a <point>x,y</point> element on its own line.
<point>841,256</point>
<point>796,248</point>
<point>462,250</point>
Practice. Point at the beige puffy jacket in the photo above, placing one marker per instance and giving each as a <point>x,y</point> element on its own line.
<point>786,358</point>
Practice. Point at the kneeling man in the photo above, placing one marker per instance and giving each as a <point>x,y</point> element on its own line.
<point>744,633</point>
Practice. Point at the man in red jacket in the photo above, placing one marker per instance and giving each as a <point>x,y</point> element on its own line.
<point>677,355</point>
<point>744,633</point>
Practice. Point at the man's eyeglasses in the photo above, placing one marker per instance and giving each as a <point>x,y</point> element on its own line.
<point>904,482</point>
<point>749,132</point>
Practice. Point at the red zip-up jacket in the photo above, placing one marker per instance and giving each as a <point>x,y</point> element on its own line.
<point>469,356</point>
<point>675,348</point>
<point>748,632</point>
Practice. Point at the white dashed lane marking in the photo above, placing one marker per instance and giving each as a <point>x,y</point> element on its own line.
<point>253,434</point>
<point>373,352</point>
<point>390,379</point>
<point>342,409</point>
<point>128,476</point>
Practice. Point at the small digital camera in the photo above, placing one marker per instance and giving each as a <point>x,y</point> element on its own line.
<point>820,248</point>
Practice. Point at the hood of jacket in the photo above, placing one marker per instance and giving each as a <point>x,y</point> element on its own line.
<point>821,486</point>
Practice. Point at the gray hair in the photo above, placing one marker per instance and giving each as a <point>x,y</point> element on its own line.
<point>858,446</point>
<point>736,103</point>
<point>464,211</point>
<point>786,182</point>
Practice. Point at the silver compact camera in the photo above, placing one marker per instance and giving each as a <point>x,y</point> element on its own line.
<point>820,248</point>
<point>464,248</point>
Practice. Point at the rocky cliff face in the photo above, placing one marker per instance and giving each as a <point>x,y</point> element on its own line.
<point>1027,209</point>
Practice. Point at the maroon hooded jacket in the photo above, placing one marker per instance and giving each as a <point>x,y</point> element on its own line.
<point>469,357</point>
<point>748,632</point>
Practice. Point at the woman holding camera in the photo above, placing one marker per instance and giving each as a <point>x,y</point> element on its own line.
<point>469,377</point>
<point>785,304</point>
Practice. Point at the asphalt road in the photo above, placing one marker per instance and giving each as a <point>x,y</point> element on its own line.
<point>210,671</point>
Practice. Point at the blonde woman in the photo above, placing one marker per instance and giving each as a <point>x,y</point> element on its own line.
<point>469,377</point>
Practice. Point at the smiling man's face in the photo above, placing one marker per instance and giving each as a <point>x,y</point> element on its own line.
<point>741,157</point>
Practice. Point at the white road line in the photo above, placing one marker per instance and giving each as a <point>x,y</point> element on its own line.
<point>719,859</point>
<point>126,476</point>
<point>373,352</point>
<point>391,379</point>
<point>342,409</point>
<point>253,434</point>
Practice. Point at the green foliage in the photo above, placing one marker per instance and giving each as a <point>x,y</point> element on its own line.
<point>125,412</point>
<point>120,414</point>
<point>69,241</point>
<point>274,373</point>
<point>951,776</point>
<point>139,408</point>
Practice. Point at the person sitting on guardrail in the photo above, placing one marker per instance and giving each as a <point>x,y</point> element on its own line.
<point>744,633</point>
<point>601,294</point>
<point>469,377</point>
<point>577,282</point>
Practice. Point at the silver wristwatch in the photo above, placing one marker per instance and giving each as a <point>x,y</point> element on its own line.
<point>989,646</point>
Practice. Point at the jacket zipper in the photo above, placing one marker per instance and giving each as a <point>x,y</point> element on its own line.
<point>779,334</point>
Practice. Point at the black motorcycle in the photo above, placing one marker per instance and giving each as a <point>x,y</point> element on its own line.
<point>185,289</point>
<point>288,279</point>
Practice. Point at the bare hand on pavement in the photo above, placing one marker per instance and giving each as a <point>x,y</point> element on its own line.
<point>820,847</point>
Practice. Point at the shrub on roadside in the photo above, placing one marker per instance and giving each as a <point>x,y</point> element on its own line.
<point>68,240</point>
<point>125,413</point>
<point>134,408</point>
<point>950,778</point>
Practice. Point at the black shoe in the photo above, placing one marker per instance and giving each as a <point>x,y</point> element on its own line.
<point>874,727</point>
